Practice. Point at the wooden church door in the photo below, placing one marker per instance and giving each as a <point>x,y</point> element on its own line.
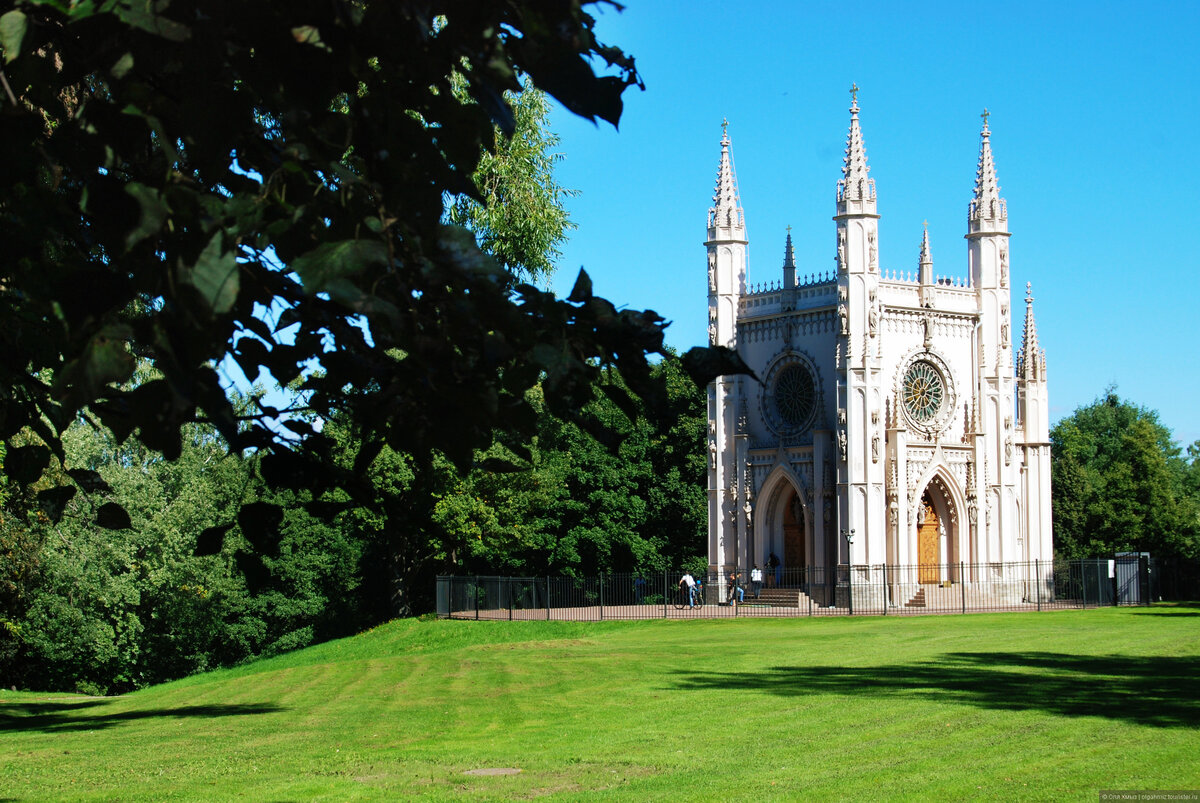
<point>927,544</point>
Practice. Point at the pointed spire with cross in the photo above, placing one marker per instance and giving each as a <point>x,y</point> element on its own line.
<point>856,185</point>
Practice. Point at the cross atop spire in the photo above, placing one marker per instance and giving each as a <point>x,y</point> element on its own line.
<point>1031,360</point>
<point>789,255</point>
<point>987,203</point>
<point>855,185</point>
<point>726,211</point>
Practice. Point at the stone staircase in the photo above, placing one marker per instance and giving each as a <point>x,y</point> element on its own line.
<point>778,598</point>
<point>936,597</point>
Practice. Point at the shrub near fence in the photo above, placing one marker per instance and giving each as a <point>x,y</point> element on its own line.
<point>843,590</point>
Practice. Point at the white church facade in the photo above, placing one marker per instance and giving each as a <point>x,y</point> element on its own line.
<point>887,425</point>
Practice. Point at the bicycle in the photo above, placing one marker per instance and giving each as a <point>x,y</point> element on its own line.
<point>681,597</point>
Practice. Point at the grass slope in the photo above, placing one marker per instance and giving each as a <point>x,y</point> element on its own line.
<point>1025,706</point>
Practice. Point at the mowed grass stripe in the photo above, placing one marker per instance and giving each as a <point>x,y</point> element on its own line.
<point>1022,706</point>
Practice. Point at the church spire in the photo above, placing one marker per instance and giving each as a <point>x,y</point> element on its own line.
<point>1031,361</point>
<point>987,203</point>
<point>789,261</point>
<point>726,211</point>
<point>855,184</point>
<point>925,263</point>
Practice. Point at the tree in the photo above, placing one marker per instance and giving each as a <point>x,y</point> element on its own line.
<point>138,222</point>
<point>1120,484</point>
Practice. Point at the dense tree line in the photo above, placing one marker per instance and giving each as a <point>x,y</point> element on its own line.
<point>99,610</point>
<point>1121,483</point>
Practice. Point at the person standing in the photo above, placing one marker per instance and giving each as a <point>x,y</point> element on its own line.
<point>737,594</point>
<point>776,569</point>
<point>756,580</point>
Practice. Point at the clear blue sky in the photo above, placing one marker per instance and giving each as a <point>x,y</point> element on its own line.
<point>1095,114</point>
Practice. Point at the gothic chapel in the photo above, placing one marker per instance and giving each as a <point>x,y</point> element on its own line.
<point>889,426</point>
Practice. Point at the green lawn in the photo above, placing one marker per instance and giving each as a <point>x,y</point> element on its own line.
<point>998,706</point>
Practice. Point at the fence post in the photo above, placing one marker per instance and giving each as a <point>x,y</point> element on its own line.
<point>961,567</point>
<point>1037,573</point>
<point>850,584</point>
<point>885,590</point>
<point>601,596</point>
<point>1083,581</point>
<point>664,593</point>
<point>547,598</point>
<point>476,598</point>
<point>508,581</point>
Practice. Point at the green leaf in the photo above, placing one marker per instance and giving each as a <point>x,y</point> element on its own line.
<point>154,211</point>
<point>260,525</point>
<point>54,500</point>
<point>25,464</point>
<point>210,539</point>
<point>215,275</point>
<point>12,33</point>
<point>90,481</point>
<point>112,516</point>
<point>328,263</point>
<point>123,66</point>
<point>105,359</point>
<point>582,291</point>
<point>704,364</point>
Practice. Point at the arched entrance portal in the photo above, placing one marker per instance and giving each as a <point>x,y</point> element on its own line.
<point>793,533</point>
<point>928,533</point>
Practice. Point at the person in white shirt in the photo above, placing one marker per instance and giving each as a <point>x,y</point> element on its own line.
<point>689,582</point>
<point>756,579</point>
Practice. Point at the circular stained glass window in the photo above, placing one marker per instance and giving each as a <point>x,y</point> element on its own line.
<point>795,396</point>
<point>924,391</point>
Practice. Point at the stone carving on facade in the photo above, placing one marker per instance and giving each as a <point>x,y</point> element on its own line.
<point>841,416</point>
<point>841,254</point>
<point>712,453</point>
<point>873,315</point>
<point>1008,450</point>
<point>747,509</point>
<point>1003,267</point>
<point>872,250</point>
<point>928,322</point>
<point>712,272</point>
<point>1004,334</point>
<point>842,444</point>
<point>843,319</point>
<point>875,448</point>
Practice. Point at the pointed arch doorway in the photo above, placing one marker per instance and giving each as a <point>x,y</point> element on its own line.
<point>794,556</point>
<point>928,542</point>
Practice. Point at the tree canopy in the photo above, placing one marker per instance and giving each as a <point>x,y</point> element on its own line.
<point>175,174</point>
<point>1120,483</point>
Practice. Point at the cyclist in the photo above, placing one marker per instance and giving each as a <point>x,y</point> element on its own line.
<point>687,584</point>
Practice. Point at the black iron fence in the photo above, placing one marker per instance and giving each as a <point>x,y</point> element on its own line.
<point>812,591</point>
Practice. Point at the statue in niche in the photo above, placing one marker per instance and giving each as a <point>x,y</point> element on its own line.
<point>841,257</point>
<point>712,272</point>
<point>842,444</point>
<point>1008,449</point>
<point>844,319</point>
<point>928,331</point>
<point>842,416</point>
<point>873,320</point>
<point>712,454</point>
<point>893,513</point>
<point>712,333</point>
<point>872,250</point>
<point>747,509</point>
<point>1004,334</point>
<point>1003,267</point>
<point>875,448</point>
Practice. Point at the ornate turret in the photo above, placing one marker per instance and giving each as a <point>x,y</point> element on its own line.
<point>856,189</point>
<point>789,261</point>
<point>1031,360</point>
<point>987,209</point>
<point>726,212</point>
<point>925,265</point>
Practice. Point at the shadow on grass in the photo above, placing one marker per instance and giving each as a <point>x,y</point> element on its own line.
<point>83,716</point>
<point>1157,691</point>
